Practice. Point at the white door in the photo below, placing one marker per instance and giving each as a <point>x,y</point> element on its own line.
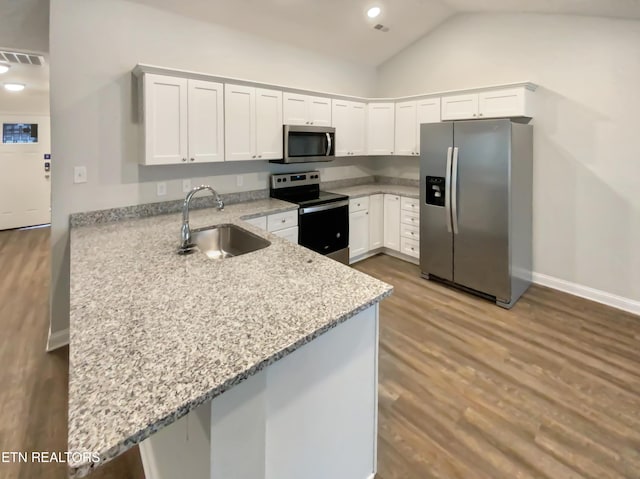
<point>380,128</point>
<point>319,111</point>
<point>165,118</point>
<point>392,222</point>
<point>25,186</point>
<point>295,109</point>
<point>405,143</point>
<point>206,121</point>
<point>376,222</point>
<point>240,122</point>
<point>358,233</point>
<point>427,111</point>
<point>268,124</point>
<point>341,118</point>
<point>459,107</point>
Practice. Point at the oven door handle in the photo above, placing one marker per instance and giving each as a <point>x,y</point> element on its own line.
<point>329,206</point>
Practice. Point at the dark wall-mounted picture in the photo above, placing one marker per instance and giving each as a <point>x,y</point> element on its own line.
<point>19,133</point>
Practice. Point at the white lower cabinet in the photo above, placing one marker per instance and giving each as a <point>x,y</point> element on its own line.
<point>392,222</point>
<point>358,227</point>
<point>410,227</point>
<point>376,222</point>
<point>290,234</point>
<point>284,225</point>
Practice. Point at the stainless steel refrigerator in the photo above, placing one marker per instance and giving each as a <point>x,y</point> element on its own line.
<point>476,206</point>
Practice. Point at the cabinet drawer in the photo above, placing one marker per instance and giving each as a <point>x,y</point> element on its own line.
<point>260,222</point>
<point>290,234</point>
<point>410,217</point>
<point>280,221</point>
<point>409,204</point>
<point>359,204</point>
<point>410,247</point>
<point>410,231</point>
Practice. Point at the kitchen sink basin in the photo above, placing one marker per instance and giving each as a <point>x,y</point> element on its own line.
<point>226,241</point>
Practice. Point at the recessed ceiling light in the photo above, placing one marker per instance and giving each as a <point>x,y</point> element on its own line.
<point>4,67</point>
<point>14,86</point>
<point>373,12</point>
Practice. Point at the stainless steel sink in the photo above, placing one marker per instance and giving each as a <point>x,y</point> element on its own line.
<point>226,241</point>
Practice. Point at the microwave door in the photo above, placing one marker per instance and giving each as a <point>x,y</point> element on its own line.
<point>304,144</point>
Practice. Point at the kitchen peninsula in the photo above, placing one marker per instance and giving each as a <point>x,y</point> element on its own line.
<point>258,366</point>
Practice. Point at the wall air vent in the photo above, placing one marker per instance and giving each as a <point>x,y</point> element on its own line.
<point>21,58</point>
<point>381,27</point>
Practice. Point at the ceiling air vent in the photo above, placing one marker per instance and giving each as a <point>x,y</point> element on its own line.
<point>381,27</point>
<point>21,58</point>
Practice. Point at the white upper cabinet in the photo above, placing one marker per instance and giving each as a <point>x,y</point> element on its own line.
<point>183,120</point>
<point>406,128</point>
<point>458,107</point>
<point>253,123</point>
<point>409,116</point>
<point>306,110</point>
<point>380,128</point>
<point>349,119</point>
<point>268,124</point>
<point>500,103</point>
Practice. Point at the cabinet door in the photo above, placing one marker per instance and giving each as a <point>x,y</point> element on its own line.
<point>319,111</point>
<point>358,233</point>
<point>459,107</point>
<point>341,119</point>
<point>268,124</point>
<point>295,109</point>
<point>380,128</point>
<point>206,121</point>
<point>405,142</point>
<point>392,222</point>
<point>290,234</point>
<point>240,122</point>
<point>376,222</point>
<point>427,111</point>
<point>358,128</point>
<point>502,103</point>
<point>165,119</point>
<point>260,222</point>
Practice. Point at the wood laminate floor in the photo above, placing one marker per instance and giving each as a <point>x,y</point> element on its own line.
<point>550,389</point>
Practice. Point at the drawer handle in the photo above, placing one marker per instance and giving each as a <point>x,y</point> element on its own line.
<point>284,220</point>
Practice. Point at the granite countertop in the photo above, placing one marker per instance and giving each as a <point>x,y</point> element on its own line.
<point>376,188</point>
<point>155,334</point>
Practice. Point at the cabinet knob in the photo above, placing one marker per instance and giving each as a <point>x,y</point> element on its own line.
<point>193,159</point>
<point>474,114</point>
<point>253,156</point>
<point>184,159</point>
<point>259,156</point>
<point>311,123</point>
<point>306,123</point>
<point>284,220</point>
<point>392,152</point>
<point>480,114</point>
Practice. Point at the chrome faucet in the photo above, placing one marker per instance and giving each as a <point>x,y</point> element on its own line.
<point>185,232</point>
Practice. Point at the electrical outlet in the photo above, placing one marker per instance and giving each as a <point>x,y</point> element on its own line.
<point>161,188</point>
<point>239,180</point>
<point>80,174</point>
<point>186,186</point>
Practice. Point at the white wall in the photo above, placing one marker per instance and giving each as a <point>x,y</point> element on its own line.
<point>93,48</point>
<point>25,102</point>
<point>586,148</point>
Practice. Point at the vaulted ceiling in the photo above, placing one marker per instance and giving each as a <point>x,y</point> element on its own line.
<point>334,27</point>
<point>341,27</point>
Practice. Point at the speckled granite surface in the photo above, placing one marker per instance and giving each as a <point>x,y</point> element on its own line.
<point>375,188</point>
<point>154,334</point>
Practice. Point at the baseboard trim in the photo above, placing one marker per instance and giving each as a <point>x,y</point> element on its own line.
<point>58,339</point>
<point>599,296</point>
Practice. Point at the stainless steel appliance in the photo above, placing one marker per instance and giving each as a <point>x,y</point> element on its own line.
<point>323,218</point>
<point>308,143</point>
<point>475,206</point>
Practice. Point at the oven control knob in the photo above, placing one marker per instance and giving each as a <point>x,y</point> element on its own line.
<point>279,180</point>
<point>284,179</point>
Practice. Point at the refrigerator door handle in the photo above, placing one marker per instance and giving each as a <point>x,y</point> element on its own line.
<point>454,191</point>
<point>447,190</point>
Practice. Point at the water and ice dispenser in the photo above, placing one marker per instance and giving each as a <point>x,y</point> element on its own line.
<point>435,190</point>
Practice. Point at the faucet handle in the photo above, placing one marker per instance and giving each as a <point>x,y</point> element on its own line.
<point>220,204</point>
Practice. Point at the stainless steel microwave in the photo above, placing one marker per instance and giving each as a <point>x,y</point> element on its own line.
<point>304,144</point>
